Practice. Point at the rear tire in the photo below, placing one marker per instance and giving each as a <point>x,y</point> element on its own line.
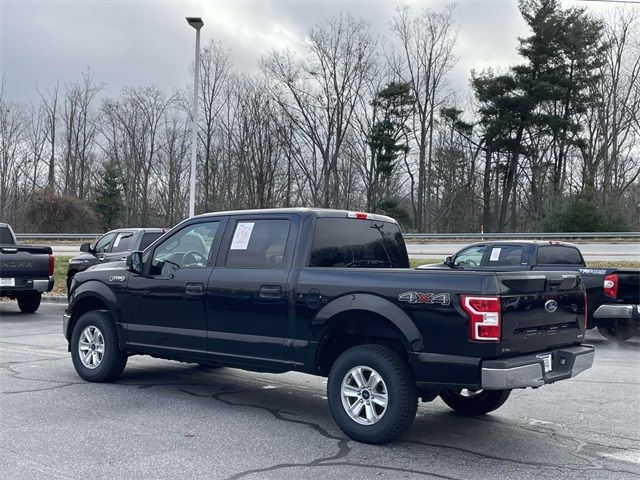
<point>474,403</point>
<point>389,405</point>
<point>29,302</point>
<point>617,331</point>
<point>94,348</point>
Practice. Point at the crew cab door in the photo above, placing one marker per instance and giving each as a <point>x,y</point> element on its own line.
<point>166,305</point>
<point>249,291</point>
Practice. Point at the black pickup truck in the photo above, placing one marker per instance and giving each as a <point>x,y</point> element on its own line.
<point>330,293</point>
<point>113,246</point>
<point>26,271</point>
<point>613,293</point>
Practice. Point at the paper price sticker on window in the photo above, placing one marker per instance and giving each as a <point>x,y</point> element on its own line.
<point>495,254</point>
<point>242,236</point>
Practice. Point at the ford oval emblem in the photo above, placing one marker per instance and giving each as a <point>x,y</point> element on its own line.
<point>551,306</point>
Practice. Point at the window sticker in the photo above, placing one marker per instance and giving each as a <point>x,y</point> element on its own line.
<point>495,254</point>
<point>117,242</point>
<point>242,236</point>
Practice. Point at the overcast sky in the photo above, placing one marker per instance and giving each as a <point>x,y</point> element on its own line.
<point>149,42</point>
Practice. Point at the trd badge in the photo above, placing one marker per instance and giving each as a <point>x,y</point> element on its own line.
<point>425,298</point>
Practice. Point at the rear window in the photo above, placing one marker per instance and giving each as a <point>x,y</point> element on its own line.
<point>122,243</point>
<point>5,236</point>
<point>148,239</point>
<point>559,255</point>
<point>506,256</point>
<point>347,242</point>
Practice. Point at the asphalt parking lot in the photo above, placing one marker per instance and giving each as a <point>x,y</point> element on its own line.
<point>165,419</point>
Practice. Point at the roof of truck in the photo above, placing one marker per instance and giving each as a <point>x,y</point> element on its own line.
<point>318,212</point>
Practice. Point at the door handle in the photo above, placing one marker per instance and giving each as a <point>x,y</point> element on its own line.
<point>194,289</point>
<point>271,292</point>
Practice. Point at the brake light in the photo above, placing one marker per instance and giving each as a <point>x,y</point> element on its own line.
<point>359,215</point>
<point>484,317</point>
<point>611,285</point>
<point>52,263</point>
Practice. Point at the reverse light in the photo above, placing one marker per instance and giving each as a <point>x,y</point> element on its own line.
<point>52,263</point>
<point>484,317</point>
<point>359,215</point>
<point>611,285</point>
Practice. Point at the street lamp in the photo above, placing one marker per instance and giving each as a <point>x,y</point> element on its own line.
<point>197,23</point>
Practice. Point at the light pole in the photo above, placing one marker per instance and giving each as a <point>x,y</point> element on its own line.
<point>197,23</point>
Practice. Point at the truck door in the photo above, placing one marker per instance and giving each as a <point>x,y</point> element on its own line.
<point>249,291</point>
<point>166,306</point>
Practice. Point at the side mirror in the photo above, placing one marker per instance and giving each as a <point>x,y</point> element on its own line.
<point>134,262</point>
<point>85,247</point>
<point>448,262</point>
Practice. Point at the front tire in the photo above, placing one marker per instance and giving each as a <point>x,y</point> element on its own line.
<point>372,394</point>
<point>94,348</point>
<point>470,403</point>
<point>29,302</point>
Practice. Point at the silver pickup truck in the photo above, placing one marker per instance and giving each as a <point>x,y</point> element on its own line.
<point>26,271</point>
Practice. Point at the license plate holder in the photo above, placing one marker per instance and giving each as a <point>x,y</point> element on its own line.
<point>7,282</point>
<point>547,361</point>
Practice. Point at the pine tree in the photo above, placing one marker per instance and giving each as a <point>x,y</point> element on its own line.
<point>108,202</point>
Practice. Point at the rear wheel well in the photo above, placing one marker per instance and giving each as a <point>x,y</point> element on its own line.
<point>353,328</point>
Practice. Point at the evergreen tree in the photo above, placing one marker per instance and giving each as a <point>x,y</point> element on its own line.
<point>108,201</point>
<point>388,136</point>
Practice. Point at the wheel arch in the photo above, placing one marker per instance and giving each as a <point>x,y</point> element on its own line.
<point>92,296</point>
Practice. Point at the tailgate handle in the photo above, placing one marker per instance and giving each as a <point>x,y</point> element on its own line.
<point>270,291</point>
<point>566,282</point>
<point>194,289</point>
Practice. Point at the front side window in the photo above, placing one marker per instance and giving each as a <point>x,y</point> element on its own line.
<point>471,257</point>
<point>104,244</point>
<point>189,247</point>
<point>122,242</point>
<point>355,243</point>
<point>258,244</point>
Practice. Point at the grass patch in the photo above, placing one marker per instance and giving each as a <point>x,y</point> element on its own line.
<point>60,276</point>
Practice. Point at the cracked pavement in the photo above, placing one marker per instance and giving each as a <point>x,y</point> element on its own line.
<point>166,419</point>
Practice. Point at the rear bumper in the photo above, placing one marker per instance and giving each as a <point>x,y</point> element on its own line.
<point>528,371</point>
<point>28,285</point>
<point>617,311</point>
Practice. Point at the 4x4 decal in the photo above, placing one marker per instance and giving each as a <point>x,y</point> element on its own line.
<point>426,298</point>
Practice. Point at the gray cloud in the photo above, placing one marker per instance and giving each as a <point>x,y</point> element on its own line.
<point>149,42</point>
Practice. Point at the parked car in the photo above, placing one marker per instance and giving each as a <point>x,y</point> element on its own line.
<point>26,271</point>
<point>113,246</point>
<point>330,293</point>
<point>613,293</point>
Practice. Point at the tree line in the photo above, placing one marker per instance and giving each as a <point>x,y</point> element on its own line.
<point>354,121</point>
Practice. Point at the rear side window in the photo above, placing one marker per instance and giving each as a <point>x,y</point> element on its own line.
<point>258,243</point>
<point>148,239</point>
<point>347,242</point>
<point>559,255</point>
<point>506,256</point>
<point>5,236</point>
<point>122,242</point>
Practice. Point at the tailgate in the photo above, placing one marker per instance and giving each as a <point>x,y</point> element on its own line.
<point>628,286</point>
<point>24,261</point>
<point>541,310</point>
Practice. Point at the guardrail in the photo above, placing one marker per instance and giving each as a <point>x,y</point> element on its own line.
<point>408,236</point>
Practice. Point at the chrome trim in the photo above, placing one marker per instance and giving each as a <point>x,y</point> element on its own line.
<point>583,362</point>
<point>508,378</point>
<point>614,311</point>
<point>41,285</point>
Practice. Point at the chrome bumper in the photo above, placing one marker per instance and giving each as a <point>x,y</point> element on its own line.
<point>528,371</point>
<point>613,311</point>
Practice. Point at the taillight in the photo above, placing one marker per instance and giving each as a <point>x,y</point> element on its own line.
<point>611,285</point>
<point>52,263</point>
<point>586,312</point>
<point>484,317</point>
